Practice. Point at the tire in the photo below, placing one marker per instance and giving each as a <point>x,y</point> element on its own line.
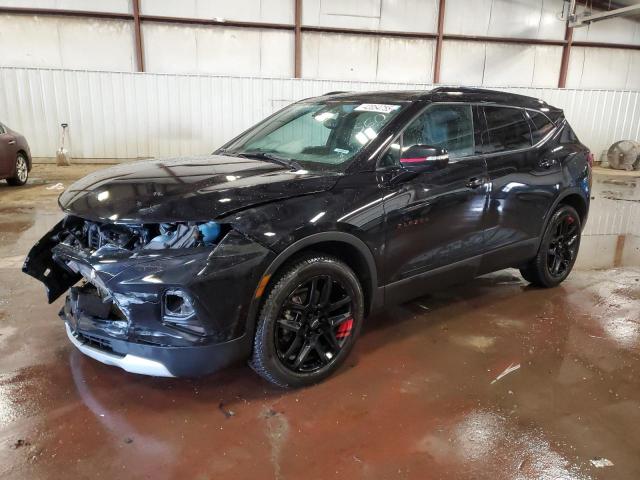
<point>558,249</point>
<point>21,174</point>
<point>303,335</point>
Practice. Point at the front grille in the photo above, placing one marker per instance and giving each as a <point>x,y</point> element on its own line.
<point>96,342</point>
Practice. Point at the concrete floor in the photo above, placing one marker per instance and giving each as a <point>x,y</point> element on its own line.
<point>491,380</point>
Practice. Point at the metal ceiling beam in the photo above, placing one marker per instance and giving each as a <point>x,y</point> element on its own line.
<point>585,18</point>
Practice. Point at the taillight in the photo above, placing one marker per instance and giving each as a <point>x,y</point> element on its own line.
<point>590,159</point>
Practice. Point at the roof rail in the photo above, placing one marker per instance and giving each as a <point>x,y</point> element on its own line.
<point>334,92</point>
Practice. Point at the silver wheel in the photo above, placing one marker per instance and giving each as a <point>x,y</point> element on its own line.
<point>21,169</point>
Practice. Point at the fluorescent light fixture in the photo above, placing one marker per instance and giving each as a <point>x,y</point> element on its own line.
<point>102,196</point>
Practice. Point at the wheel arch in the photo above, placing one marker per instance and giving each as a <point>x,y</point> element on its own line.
<point>574,198</point>
<point>347,247</point>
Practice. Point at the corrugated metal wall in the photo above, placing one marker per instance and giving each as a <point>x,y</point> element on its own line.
<point>133,115</point>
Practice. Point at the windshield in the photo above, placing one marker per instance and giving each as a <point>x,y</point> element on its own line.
<point>316,135</point>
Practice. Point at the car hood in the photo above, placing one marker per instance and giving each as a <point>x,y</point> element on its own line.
<point>186,189</point>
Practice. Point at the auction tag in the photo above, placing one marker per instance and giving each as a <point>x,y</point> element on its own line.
<point>376,107</point>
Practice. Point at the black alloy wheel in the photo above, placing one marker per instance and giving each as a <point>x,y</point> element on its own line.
<point>558,249</point>
<point>309,321</point>
<point>314,323</point>
<point>563,246</point>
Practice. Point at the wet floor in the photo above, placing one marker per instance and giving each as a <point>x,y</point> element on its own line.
<point>490,380</point>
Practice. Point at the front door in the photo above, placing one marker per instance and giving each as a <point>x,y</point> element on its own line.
<point>7,153</point>
<point>434,218</point>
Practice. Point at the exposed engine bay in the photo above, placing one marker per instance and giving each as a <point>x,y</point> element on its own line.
<point>91,236</point>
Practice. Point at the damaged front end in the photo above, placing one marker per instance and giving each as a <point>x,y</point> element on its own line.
<point>165,299</point>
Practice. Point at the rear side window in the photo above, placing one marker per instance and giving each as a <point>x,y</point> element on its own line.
<point>568,135</point>
<point>540,126</point>
<point>2,129</point>
<point>508,129</point>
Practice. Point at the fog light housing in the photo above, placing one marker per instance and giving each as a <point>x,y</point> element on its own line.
<point>178,311</point>
<point>177,305</point>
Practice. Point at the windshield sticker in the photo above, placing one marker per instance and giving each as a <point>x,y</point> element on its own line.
<point>341,150</point>
<point>376,107</point>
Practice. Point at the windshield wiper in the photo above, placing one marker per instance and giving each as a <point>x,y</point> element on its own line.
<point>270,158</point>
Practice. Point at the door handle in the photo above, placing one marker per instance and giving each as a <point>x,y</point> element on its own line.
<point>475,182</point>
<point>12,142</point>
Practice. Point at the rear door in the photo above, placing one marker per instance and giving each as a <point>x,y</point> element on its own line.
<point>434,227</point>
<point>522,176</point>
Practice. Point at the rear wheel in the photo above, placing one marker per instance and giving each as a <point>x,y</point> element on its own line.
<point>21,172</point>
<point>309,322</point>
<point>558,250</point>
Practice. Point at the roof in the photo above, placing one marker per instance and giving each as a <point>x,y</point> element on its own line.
<point>440,94</point>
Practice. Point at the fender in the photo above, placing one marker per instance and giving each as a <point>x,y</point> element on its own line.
<point>309,241</point>
<point>565,193</point>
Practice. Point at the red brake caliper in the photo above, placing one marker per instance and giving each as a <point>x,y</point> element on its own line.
<point>344,330</point>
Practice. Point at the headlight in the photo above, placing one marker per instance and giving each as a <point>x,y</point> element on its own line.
<point>184,235</point>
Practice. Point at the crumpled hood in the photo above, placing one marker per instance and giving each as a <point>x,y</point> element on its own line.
<point>186,189</point>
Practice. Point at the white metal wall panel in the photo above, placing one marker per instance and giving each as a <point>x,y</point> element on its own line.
<point>505,18</point>
<point>112,6</point>
<point>273,11</point>
<point>63,42</point>
<point>474,63</point>
<point>409,15</point>
<point>594,67</point>
<point>360,57</point>
<point>398,15</point>
<point>221,50</point>
<point>132,115</point>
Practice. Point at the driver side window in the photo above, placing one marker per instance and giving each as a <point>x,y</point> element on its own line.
<point>441,125</point>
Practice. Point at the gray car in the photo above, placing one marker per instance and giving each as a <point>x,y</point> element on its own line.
<point>15,157</point>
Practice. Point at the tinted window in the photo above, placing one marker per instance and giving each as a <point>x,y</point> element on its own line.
<point>508,129</point>
<point>445,126</point>
<point>540,126</point>
<point>568,135</point>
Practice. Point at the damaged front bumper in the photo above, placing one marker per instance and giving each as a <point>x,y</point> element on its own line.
<point>179,312</point>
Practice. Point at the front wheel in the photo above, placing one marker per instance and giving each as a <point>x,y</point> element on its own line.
<point>21,172</point>
<point>558,250</point>
<point>309,322</point>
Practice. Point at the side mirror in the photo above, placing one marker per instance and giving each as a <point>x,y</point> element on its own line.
<point>419,158</point>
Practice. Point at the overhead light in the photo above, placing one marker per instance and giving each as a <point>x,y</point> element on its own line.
<point>102,196</point>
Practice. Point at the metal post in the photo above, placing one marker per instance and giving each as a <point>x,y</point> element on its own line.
<point>566,50</point>
<point>138,35</point>
<point>438,56</point>
<point>297,56</point>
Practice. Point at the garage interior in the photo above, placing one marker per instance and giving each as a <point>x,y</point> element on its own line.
<point>491,379</point>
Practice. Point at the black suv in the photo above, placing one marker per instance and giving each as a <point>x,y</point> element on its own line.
<point>277,246</point>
